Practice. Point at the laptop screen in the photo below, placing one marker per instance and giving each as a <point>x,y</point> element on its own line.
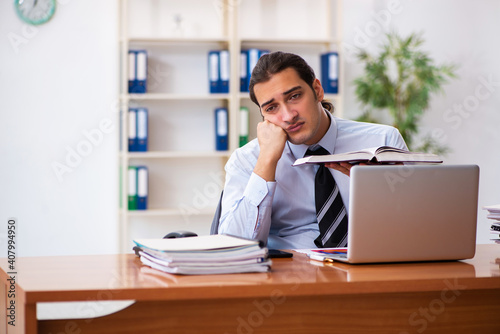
<point>412,212</point>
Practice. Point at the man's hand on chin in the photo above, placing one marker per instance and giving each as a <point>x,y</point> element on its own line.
<point>272,140</point>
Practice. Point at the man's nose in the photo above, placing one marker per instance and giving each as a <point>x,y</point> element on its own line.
<point>288,114</point>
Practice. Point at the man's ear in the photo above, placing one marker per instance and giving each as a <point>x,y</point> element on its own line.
<point>318,89</point>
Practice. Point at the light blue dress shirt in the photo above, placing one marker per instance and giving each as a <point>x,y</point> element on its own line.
<point>283,213</point>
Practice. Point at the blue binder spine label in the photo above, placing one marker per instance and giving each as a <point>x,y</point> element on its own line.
<point>131,71</point>
<point>142,129</point>
<point>142,187</point>
<point>132,130</point>
<point>244,71</point>
<point>142,71</point>
<point>253,57</point>
<point>132,188</point>
<point>244,120</point>
<point>213,71</point>
<point>330,72</point>
<point>221,129</point>
<point>224,71</point>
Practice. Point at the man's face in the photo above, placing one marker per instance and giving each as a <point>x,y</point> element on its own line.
<point>288,102</point>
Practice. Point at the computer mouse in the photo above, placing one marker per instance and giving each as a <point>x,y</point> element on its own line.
<point>180,234</point>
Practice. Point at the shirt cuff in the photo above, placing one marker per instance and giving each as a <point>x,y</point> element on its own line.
<point>259,192</point>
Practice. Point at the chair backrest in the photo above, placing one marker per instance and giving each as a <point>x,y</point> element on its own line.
<point>214,228</point>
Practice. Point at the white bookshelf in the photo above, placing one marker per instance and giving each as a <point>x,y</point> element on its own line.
<point>186,174</point>
<point>176,154</point>
<point>166,96</point>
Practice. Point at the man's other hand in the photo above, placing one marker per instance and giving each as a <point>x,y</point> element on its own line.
<point>345,167</point>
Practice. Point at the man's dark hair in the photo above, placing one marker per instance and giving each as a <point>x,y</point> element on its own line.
<point>273,63</point>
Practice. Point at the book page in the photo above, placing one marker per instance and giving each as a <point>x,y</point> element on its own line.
<point>376,154</point>
<point>363,155</point>
<point>406,156</point>
<point>389,149</point>
<point>200,243</point>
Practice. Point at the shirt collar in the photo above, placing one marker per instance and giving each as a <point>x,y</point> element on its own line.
<point>327,142</point>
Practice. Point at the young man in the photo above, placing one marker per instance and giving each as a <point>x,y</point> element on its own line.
<point>265,197</point>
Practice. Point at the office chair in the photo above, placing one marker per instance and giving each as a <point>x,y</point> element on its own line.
<point>214,228</point>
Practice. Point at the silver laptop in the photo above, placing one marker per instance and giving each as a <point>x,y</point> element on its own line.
<point>412,213</point>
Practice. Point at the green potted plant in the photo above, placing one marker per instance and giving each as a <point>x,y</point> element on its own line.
<point>401,80</point>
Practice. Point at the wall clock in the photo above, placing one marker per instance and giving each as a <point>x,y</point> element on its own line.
<point>35,11</point>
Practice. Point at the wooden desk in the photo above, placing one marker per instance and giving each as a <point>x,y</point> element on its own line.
<point>298,296</point>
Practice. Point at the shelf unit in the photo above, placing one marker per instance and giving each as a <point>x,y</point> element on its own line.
<point>185,169</point>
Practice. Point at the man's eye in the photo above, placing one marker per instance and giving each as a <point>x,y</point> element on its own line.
<point>295,96</point>
<point>270,109</point>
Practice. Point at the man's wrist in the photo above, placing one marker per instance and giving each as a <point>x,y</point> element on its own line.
<point>266,168</point>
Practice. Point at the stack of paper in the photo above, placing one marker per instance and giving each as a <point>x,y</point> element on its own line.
<point>494,214</point>
<point>211,254</point>
<point>324,254</point>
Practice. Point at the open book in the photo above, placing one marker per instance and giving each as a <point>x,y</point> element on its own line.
<point>372,154</point>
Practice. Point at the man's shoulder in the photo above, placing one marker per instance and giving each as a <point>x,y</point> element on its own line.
<point>252,147</point>
<point>357,135</point>
<point>363,127</point>
<point>245,156</point>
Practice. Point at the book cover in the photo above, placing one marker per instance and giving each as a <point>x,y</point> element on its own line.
<point>142,130</point>
<point>137,71</point>
<point>132,188</point>
<point>244,71</point>
<point>142,187</point>
<point>213,72</point>
<point>330,72</point>
<point>244,119</point>
<point>224,70</point>
<point>221,129</point>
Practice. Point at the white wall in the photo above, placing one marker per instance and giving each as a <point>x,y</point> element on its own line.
<point>60,82</point>
<point>461,32</point>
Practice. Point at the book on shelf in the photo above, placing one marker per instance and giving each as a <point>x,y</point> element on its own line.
<point>142,188</point>
<point>132,130</point>
<point>384,154</point>
<point>137,71</point>
<point>132,188</point>
<point>142,129</point>
<point>213,71</point>
<point>248,60</point>
<point>243,71</point>
<point>138,130</point>
<point>221,129</point>
<point>224,69</point>
<point>244,120</point>
<point>218,71</point>
<point>330,72</point>
<point>137,187</point>
<point>210,254</point>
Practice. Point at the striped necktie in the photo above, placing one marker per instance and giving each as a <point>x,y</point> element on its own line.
<point>330,210</point>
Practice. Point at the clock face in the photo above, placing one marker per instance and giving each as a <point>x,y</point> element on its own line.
<point>35,11</point>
